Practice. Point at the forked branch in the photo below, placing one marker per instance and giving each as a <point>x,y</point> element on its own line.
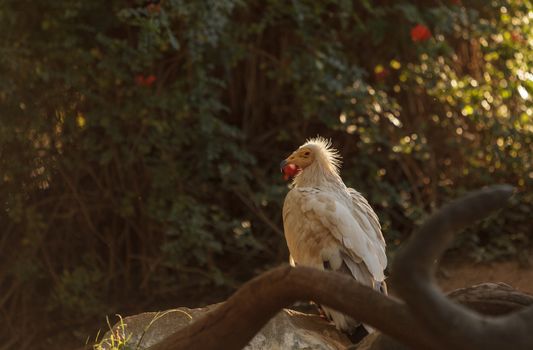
<point>455,326</point>
<point>428,320</point>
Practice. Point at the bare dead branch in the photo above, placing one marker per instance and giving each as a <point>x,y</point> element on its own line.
<point>456,327</point>
<point>428,320</point>
<point>234,323</point>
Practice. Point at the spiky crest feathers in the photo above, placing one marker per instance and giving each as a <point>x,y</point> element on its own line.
<point>325,152</point>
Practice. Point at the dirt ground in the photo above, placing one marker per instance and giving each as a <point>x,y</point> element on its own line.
<point>453,275</point>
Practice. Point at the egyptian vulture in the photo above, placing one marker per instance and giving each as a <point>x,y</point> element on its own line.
<point>330,226</point>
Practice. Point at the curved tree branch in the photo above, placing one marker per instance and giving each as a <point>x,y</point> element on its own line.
<point>428,320</point>
<point>235,322</point>
<point>413,272</point>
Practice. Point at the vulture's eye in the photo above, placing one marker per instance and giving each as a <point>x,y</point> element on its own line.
<point>307,154</point>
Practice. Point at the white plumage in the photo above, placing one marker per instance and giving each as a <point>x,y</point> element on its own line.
<point>330,226</point>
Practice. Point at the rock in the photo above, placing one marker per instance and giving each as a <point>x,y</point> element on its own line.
<point>295,330</point>
<point>146,329</point>
<point>289,329</point>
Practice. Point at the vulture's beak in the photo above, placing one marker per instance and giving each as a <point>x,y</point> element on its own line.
<point>288,169</point>
<point>282,164</point>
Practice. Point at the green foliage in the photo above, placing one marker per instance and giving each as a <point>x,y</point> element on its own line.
<point>75,291</point>
<point>140,143</point>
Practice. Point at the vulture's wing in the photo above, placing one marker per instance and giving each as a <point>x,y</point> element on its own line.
<point>322,223</point>
<point>368,220</point>
<point>327,230</point>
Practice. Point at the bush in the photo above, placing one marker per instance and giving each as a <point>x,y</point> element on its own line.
<point>140,142</point>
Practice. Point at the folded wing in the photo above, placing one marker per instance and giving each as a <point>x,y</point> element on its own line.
<point>343,230</point>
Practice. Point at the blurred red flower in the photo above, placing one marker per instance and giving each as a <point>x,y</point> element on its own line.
<point>420,33</point>
<point>141,80</point>
<point>149,80</point>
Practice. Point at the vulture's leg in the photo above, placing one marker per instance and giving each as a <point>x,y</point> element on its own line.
<point>359,332</point>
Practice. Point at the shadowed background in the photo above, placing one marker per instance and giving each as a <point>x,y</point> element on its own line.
<point>140,141</point>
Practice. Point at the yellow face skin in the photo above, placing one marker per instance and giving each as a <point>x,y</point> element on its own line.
<point>302,157</point>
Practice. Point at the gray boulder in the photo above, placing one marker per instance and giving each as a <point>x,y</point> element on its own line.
<point>289,329</point>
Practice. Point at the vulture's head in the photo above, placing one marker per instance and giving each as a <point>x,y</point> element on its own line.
<point>316,153</point>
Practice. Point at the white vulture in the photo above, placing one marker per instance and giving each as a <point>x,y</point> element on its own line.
<point>330,226</point>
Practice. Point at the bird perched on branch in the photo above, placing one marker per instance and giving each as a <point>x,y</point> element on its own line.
<point>330,226</point>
